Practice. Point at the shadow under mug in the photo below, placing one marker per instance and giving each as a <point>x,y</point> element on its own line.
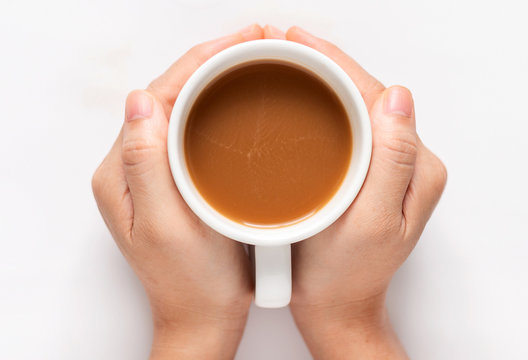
<point>273,280</point>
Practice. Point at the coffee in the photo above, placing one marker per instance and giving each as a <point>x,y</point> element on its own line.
<point>267,144</point>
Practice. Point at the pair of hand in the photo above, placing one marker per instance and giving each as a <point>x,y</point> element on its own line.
<point>199,283</point>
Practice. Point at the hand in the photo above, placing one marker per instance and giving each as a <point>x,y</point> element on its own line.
<point>198,282</point>
<point>341,275</point>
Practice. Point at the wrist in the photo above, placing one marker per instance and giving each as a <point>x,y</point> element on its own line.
<point>353,330</point>
<point>363,313</point>
<point>197,337</point>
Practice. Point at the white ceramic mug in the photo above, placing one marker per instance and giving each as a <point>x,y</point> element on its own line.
<point>272,245</point>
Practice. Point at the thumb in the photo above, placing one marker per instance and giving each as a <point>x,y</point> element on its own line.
<point>144,155</point>
<point>394,147</point>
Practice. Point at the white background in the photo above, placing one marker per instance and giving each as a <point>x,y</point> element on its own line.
<point>66,68</point>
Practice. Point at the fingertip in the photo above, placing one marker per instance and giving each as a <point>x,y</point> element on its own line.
<point>271,32</point>
<point>144,134</point>
<point>251,32</point>
<point>394,129</point>
<point>144,111</point>
<point>296,32</point>
<point>398,100</point>
<point>139,104</point>
<point>290,33</point>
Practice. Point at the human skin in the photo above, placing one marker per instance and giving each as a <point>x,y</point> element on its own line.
<point>341,275</point>
<point>198,282</point>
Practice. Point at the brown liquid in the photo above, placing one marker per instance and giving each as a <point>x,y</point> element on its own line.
<point>267,144</point>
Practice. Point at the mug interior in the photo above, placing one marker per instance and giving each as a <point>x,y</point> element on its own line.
<point>299,56</point>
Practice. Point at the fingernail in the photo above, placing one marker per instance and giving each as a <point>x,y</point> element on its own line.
<point>247,30</point>
<point>275,32</point>
<point>138,105</point>
<point>398,101</point>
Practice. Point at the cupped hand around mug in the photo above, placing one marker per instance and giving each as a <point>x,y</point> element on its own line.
<point>341,275</point>
<point>198,282</point>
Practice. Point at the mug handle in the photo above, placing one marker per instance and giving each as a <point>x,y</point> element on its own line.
<point>273,282</point>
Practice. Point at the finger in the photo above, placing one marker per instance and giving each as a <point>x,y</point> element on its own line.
<point>425,189</point>
<point>111,192</point>
<point>167,87</point>
<point>394,149</point>
<point>145,160</point>
<point>271,32</point>
<point>368,86</point>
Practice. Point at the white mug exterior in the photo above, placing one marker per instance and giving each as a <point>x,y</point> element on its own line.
<point>280,237</point>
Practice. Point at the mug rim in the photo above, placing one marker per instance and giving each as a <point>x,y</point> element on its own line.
<point>315,63</point>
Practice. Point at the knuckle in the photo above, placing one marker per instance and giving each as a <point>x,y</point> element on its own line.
<point>383,221</point>
<point>383,227</point>
<point>157,84</point>
<point>136,151</point>
<point>402,148</point>
<point>440,174</point>
<point>198,54</point>
<point>373,89</point>
<point>388,226</point>
<point>164,91</point>
<point>148,231</point>
<point>97,181</point>
<point>145,229</point>
<point>162,84</point>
